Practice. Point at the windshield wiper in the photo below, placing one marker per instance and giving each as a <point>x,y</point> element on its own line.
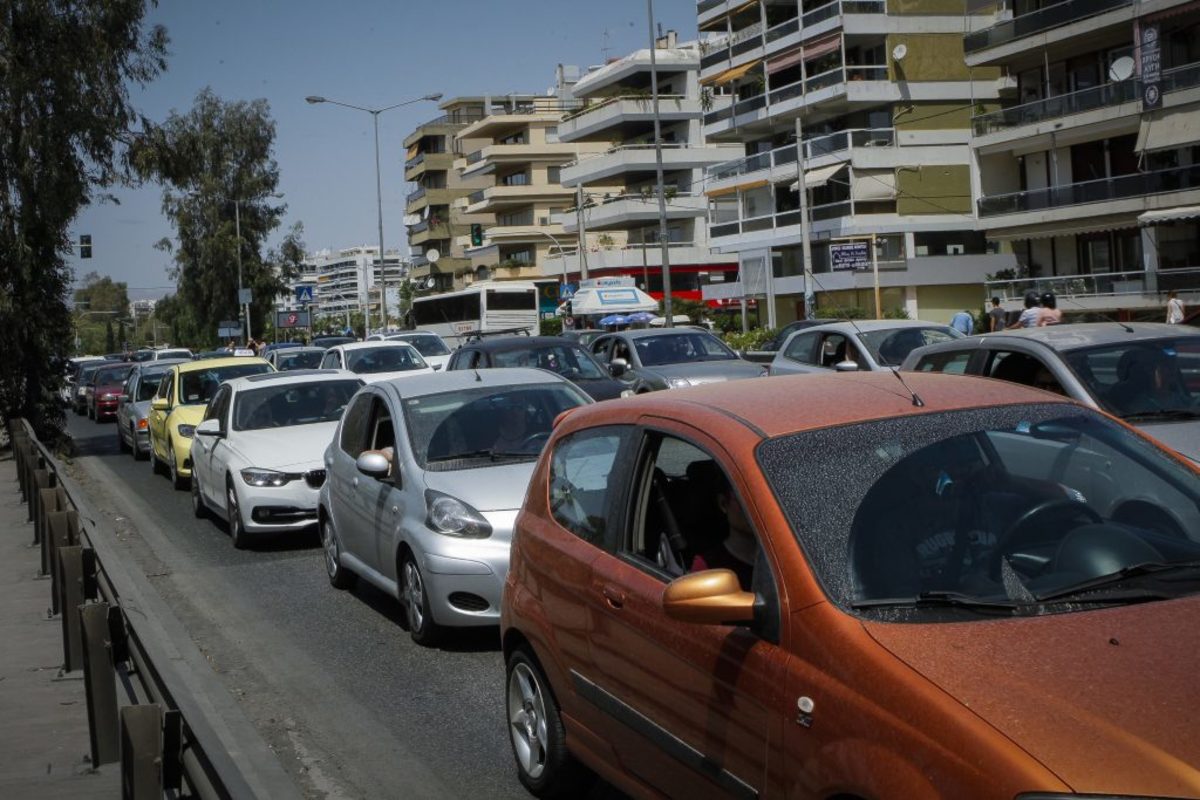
<point>1166,414</point>
<point>934,599</point>
<point>1114,579</point>
<point>457,456</point>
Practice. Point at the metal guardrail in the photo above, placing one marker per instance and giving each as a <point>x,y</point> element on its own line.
<point>1043,19</point>
<point>169,735</point>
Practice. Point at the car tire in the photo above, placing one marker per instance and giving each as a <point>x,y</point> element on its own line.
<point>90,414</point>
<point>138,455</point>
<point>199,509</point>
<point>178,481</point>
<point>339,576</point>
<point>536,733</point>
<point>155,467</point>
<point>122,445</point>
<point>233,517</point>
<point>421,627</point>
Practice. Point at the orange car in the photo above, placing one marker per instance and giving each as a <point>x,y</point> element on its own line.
<point>835,587</point>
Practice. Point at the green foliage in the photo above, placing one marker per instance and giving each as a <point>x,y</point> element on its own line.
<point>899,312</point>
<point>551,327</point>
<point>66,70</point>
<point>102,294</point>
<point>110,342</point>
<point>750,340</point>
<point>842,312</point>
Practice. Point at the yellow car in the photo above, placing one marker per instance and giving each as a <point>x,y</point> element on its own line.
<point>178,407</point>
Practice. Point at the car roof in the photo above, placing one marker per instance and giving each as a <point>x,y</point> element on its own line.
<point>291,376</point>
<point>349,346</point>
<point>781,405</point>
<point>291,351</point>
<point>642,333</point>
<point>1089,334</point>
<point>520,343</point>
<point>865,325</point>
<point>438,382</point>
<point>162,364</point>
<point>209,363</point>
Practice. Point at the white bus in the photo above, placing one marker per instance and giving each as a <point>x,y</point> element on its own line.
<point>483,306</point>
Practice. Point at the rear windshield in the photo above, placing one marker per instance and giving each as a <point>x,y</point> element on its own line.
<point>199,386</point>
<point>107,377</point>
<point>573,363</point>
<point>297,404</point>
<point>426,345</point>
<point>372,360</point>
<point>309,360</point>
<point>890,347</point>
<point>680,348</point>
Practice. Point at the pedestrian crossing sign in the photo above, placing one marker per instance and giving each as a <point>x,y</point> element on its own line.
<point>304,294</point>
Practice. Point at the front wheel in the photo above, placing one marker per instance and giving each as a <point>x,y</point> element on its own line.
<point>536,733</point>
<point>177,480</point>
<point>198,506</point>
<point>339,576</point>
<point>421,627</point>
<point>233,514</point>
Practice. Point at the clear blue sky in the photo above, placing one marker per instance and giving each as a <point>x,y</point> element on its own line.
<point>366,52</point>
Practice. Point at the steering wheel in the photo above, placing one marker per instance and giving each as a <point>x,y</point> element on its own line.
<point>538,438</point>
<point>1058,508</point>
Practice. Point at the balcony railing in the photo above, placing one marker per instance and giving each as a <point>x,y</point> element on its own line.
<point>626,148</point>
<point>455,118</point>
<point>1097,191</point>
<point>707,5</point>
<point>833,77</point>
<point>644,99</point>
<point>476,197</point>
<point>1054,16</point>
<point>414,161</point>
<point>416,194</point>
<point>754,36</point>
<point>474,157</point>
<point>1099,284</point>
<point>780,219</point>
<point>814,147</point>
<point>420,227</point>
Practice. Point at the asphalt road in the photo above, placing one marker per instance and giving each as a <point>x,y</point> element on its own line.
<point>351,704</point>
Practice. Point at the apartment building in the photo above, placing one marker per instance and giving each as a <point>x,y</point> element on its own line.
<point>517,150</point>
<point>433,219</point>
<point>346,280</point>
<point>616,178</point>
<point>1090,172</point>
<point>885,100</point>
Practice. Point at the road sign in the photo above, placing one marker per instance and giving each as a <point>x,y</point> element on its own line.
<point>850,256</point>
<point>566,291</point>
<point>292,319</point>
<point>229,329</point>
<point>245,296</point>
<point>304,294</point>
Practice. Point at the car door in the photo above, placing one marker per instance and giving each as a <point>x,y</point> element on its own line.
<point>331,360</point>
<point>692,710</point>
<point>798,355</point>
<point>158,419</point>
<point>343,475</point>
<point>379,500</point>
<point>210,454</point>
<point>128,393</point>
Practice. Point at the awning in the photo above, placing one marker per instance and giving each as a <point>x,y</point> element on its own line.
<point>789,59</point>
<point>1186,8</point>
<point>1170,129</point>
<point>1168,215</point>
<point>722,78</point>
<point>1051,230</point>
<point>872,184</point>
<point>616,300</point>
<point>743,187</point>
<point>822,46</point>
<point>413,151</point>
<point>819,177</point>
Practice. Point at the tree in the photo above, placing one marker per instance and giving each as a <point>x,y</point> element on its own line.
<point>102,294</point>
<point>219,176</point>
<point>66,67</point>
<point>121,337</point>
<point>110,342</point>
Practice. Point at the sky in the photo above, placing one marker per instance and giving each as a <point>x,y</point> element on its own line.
<point>370,53</point>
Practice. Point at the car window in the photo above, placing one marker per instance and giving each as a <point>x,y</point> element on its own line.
<point>620,349</point>
<point>354,426</point>
<point>281,406</point>
<point>836,348</point>
<point>426,344</point>
<point>331,361</point>
<point>167,387</point>
<point>800,348</point>
<point>383,432</point>
<point>1022,368</point>
<point>1147,379</point>
<point>680,348</point>
<point>600,349</point>
<point>199,386</point>
<point>580,490</point>
<point>147,385</point>
<point>373,360</point>
<point>285,361</point>
<point>952,362</point>
<point>889,347</point>
<point>573,363</point>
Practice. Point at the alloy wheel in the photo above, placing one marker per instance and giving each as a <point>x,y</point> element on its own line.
<point>414,595</point>
<point>339,576</point>
<point>527,720</point>
<point>237,535</point>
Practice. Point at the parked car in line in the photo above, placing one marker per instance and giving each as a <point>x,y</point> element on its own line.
<point>945,601</point>
<point>133,408</point>
<point>867,345</point>
<point>331,341</point>
<point>178,406</point>
<point>431,346</point>
<point>83,385</point>
<point>104,391</point>
<point>257,454</point>
<point>585,336</point>
<point>670,358</point>
<point>273,347</point>
<point>450,454</point>
<point>1146,373</point>
<point>67,393</point>
<point>767,350</point>
<point>296,358</point>
<point>568,359</point>
<point>172,354</point>
<point>376,361</point>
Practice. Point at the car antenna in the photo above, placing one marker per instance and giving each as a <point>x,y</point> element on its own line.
<point>478,377</point>
<point>916,398</point>
<point>1100,314</point>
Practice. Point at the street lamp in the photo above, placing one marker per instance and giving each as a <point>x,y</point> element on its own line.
<point>375,112</point>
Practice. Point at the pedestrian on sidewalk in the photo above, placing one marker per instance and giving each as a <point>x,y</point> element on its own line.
<point>963,322</point>
<point>1174,308</point>
<point>997,316</point>
<point>1029,317</point>
<point>1050,313</point>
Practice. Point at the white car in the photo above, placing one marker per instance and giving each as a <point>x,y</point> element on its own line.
<point>376,361</point>
<point>257,454</point>
<point>431,346</point>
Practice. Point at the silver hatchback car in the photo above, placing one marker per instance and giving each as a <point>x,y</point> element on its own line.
<point>425,477</point>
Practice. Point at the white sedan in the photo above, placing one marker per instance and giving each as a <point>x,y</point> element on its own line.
<point>257,456</point>
<point>376,361</point>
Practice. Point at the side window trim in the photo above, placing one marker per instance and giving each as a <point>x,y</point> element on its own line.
<point>615,499</point>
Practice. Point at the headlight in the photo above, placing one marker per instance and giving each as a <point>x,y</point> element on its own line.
<point>108,396</point>
<point>186,431</point>
<point>679,383</point>
<point>453,517</point>
<point>264,477</point>
<point>627,393</point>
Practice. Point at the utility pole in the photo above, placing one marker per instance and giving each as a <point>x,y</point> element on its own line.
<point>379,208</point>
<point>237,226</point>
<point>805,233</point>
<point>669,321</point>
<point>582,238</point>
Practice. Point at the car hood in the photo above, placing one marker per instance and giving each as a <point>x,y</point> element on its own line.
<point>600,388</point>
<point>698,372</point>
<point>377,377</point>
<point>494,488</point>
<point>1104,699</point>
<point>296,448</point>
<point>1183,437</point>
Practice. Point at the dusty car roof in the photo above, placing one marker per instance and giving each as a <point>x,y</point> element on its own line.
<point>786,404</point>
<point>522,343</point>
<point>1089,334</point>
<point>862,325</point>
<point>641,333</point>
<point>454,380</point>
<point>211,363</point>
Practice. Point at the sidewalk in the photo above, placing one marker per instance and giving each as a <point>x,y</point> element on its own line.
<point>43,715</point>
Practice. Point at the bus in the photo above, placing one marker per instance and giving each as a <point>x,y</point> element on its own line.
<point>482,306</point>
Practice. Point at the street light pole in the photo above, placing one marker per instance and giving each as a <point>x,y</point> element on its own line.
<point>245,307</point>
<point>668,314</point>
<point>375,112</point>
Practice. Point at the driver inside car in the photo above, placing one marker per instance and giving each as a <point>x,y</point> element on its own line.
<point>514,434</point>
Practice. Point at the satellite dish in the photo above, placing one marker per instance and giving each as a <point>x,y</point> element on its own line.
<point>1121,69</point>
<point>899,52</point>
<point>412,219</point>
<point>429,284</point>
<point>432,255</point>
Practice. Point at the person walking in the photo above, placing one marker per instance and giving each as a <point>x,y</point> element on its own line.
<point>1050,313</point>
<point>997,316</point>
<point>963,322</point>
<point>1174,308</point>
<point>1029,317</point>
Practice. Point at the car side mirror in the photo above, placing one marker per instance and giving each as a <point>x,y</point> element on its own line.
<point>210,427</point>
<point>160,404</point>
<point>373,464</point>
<point>618,367</point>
<point>710,597</point>
<point>123,398</point>
<point>846,366</point>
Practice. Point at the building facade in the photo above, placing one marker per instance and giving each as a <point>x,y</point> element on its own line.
<point>349,280</point>
<point>885,100</point>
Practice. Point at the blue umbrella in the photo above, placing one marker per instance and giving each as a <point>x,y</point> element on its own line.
<point>615,319</point>
<point>641,317</point>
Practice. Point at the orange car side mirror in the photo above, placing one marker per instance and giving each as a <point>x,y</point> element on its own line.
<point>711,597</point>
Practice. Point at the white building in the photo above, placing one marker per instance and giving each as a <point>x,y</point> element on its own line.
<point>346,280</point>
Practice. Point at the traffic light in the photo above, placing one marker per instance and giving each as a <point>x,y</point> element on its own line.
<point>570,309</point>
<point>476,235</point>
<point>85,245</point>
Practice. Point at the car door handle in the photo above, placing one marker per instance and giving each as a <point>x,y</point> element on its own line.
<point>614,596</point>
<point>395,509</point>
<point>354,482</point>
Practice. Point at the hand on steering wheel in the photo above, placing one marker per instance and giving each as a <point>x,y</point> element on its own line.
<point>1059,509</point>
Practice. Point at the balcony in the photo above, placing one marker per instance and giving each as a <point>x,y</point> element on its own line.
<point>483,161</point>
<point>817,147</point>
<point>421,197</point>
<point>1127,289</point>
<point>598,117</point>
<point>1097,191</point>
<point>495,198</point>
<point>634,158</point>
<point>633,256</point>
<point>836,77</point>
<point>416,194</point>
<point>628,210</point>
<point>445,124</point>
<point>753,37</point>
<point>418,165</point>
<point>1054,16</point>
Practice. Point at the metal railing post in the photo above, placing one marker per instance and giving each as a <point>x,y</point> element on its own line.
<point>100,684</point>
<point>141,752</point>
<point>70,587</point>
<point>47,505</point>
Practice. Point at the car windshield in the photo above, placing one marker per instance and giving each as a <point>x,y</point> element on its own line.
<point>573,363</point>
<point>142,355</point>
<point>198,386</point>
<point>476,427</point>
<point>86,372</point>
<point>890,347</point>
<point>426,344</point>
<point>307,360</point>
<point>1010,509</point>
<point>331,341</point>
<point>681,347</point>
<point>148,385</point>
<point>107,377</point>
<point>1159,378</point>
<point>163,354</point>
<point>283,405</point>
<point>391,358</point>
